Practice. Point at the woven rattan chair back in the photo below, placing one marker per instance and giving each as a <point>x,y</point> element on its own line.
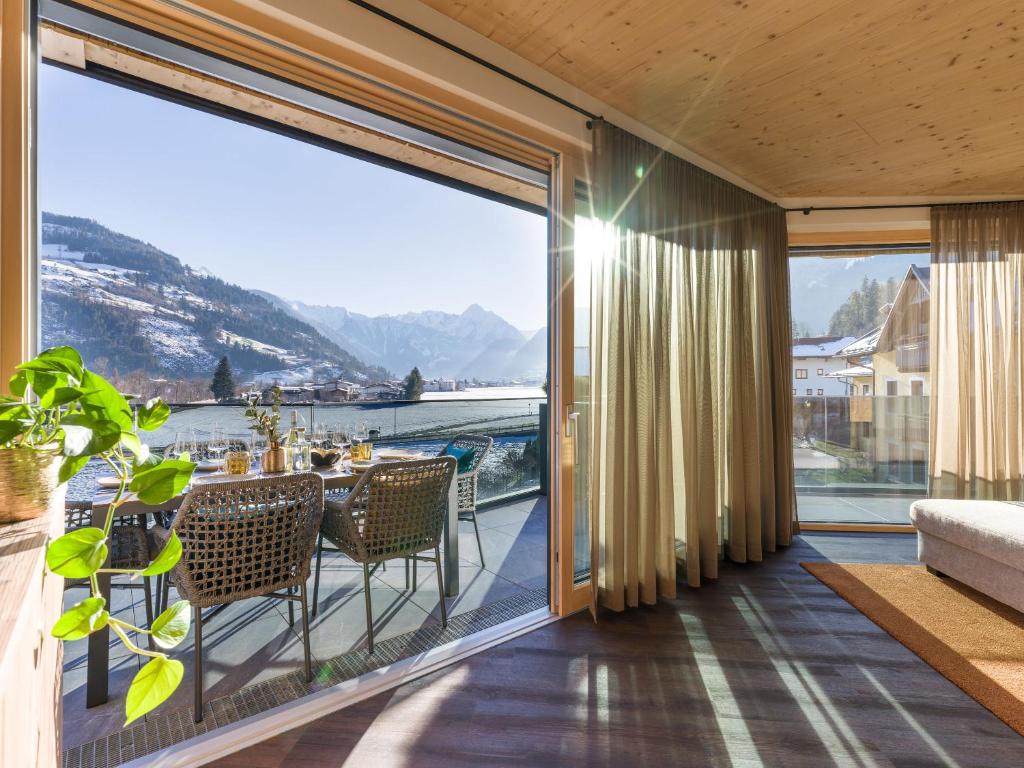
<point>399,507</point>
<point>247,538</point>
<point>481,444</point>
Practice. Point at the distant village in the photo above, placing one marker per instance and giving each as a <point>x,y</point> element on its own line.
<point>339,391</point>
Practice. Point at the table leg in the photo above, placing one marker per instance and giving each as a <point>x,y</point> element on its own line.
<point>451,542</point>
<point>98,670</point>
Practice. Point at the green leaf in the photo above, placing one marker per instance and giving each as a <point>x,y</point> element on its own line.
<point>168,557</point>
<point>64,360</point>
<point>40,381</point>
<point>77,554</point>
<point>84,434</point>
<point>152,686</point>
<point>153,414</point>
<point>59,396</point>
<point>82,619</point>
<point>162,482</point>
<point>138,448</point>
<point>71,466</point>
<point>101,401</point>
<point>10,430</point>
<point>171,626</point>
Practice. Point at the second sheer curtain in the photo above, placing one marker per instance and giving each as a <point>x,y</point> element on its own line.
<point>690,356</point>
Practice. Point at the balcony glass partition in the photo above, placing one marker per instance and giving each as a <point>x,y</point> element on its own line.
<point>514,466</point>
<point>860,422</point>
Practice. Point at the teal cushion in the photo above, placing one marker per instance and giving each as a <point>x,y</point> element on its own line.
<point>464,456</point>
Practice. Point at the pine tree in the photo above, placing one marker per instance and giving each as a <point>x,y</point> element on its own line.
<point>223,384</point>
<point>413,385</point>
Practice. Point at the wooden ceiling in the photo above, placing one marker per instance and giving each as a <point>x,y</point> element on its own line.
<point>805,98</point>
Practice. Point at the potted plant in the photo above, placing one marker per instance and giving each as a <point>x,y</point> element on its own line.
<point>268,424</point>
<point>59,416</point>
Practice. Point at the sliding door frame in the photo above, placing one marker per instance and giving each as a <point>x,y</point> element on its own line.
<point>522,143</point>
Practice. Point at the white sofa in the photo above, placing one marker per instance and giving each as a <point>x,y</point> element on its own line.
<point>978,543</point>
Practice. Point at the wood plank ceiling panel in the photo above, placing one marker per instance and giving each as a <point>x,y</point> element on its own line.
<point>820,98</point>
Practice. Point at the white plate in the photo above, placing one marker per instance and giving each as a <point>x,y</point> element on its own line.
<point>209,465</point>
<point>108,481</point>
<point>396,454</point>
<point>362,466</point>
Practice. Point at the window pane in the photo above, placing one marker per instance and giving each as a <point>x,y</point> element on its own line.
<point>861,431</point>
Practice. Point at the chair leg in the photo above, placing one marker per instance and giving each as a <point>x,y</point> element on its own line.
<point>305,631</point>
<point>414,579</point>
<point>147,588</point>
<point>479,546</point>
<point>291,608</point>
<point>440,587</point>
<point>407,574</point>
<point>316,577</point>
<point>369,606</point>
<point>197,622</point>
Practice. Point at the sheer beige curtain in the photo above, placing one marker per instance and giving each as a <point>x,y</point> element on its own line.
<point>691,438</point>
<point>976,448</point>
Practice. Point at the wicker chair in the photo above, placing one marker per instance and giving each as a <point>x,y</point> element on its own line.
<point>396,510</point>
<point>246,538</point>
<point>481,445</point>
<point>128,548</point>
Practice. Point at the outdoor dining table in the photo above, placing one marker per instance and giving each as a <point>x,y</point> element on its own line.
<point>336,478</point>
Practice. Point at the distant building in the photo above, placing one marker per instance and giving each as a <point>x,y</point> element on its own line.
<point>388,390</point>
<point>813,360</point>
<point>338,391</point>
<point>290,394</point>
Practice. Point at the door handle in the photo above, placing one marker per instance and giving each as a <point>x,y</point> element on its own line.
<point>572,430</point>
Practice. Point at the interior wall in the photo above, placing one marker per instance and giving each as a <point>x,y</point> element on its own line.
<point>857,227</point>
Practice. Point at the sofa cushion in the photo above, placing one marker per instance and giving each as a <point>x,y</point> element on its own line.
<point>991,528</point>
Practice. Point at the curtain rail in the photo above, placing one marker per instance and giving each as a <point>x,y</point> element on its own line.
<point>808,210</point>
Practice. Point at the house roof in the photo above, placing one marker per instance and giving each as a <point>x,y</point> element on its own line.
<point>865,345</point>
<point>819,346</point>
<point>915,274</point>
<point>853,372</point>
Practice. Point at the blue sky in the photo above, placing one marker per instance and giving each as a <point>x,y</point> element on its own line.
<point>269,212</point>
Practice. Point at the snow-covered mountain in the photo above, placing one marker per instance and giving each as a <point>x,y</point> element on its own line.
<point>128,305</point>
<point>474,344</point>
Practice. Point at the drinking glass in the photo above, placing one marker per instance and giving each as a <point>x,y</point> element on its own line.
<point>218,440</point>
<point>257,444</point>
<point>319,436</point>
<point>184,443</point>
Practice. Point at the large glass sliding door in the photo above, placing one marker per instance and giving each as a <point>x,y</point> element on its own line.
<point>860,383</point>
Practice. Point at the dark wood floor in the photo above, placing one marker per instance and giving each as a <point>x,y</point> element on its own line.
<point>766,667</point>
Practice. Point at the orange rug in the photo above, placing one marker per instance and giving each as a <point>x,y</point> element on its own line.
<point>974,641</point>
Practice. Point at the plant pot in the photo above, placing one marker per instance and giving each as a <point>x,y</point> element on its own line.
<point>273,461</point>
<point>28,484</point>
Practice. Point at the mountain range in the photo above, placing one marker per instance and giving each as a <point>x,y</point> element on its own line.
<point>127,305</point>
<point>474,344</point>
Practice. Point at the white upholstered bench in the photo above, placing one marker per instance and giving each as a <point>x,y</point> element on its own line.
<point>978,543</point>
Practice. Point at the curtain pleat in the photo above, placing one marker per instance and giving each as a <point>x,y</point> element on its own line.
<point>691,416</point>
<point>976,447</point>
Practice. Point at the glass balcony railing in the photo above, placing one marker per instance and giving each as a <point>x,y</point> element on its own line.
<point>860,459</point>
<point>515,464</point>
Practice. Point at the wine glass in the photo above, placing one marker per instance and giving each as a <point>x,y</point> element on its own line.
<point>184,443</point>
<point>319,435</point>
<point>339,437</point>
<point>218,441</point>
<point>257,444</point>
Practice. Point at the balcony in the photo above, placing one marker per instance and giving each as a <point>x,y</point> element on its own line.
<point>251,653</point>
<point>912,354</point>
